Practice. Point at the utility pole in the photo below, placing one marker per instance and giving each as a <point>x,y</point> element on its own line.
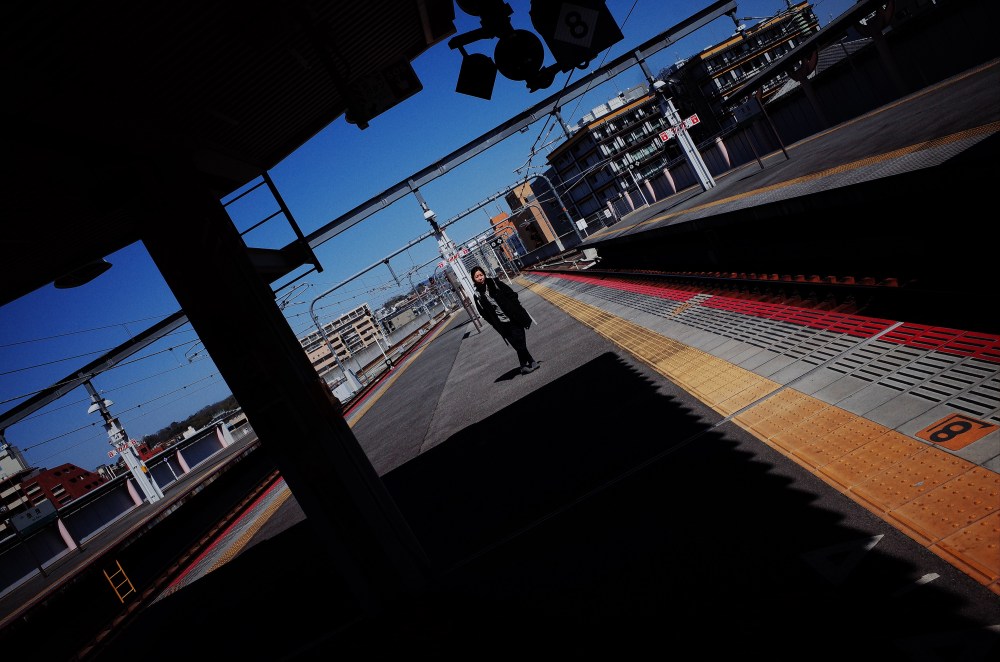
<point>562,206</point>
<point>449,253</point>
<point>638,185</point>
<point>353,383</point>
<point>120,441</point>
<point>420,296</point>
<point>688,147</point>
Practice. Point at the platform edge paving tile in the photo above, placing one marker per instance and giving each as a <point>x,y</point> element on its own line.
<point>897,411</point>
<point>795,373</point>
<point>979,452</point>
<point>815,380</point>
<point>731,349</point>
<point>775,365</point>
<point>840,389</point>
<point>953,505</point>
<point>758,359</point>
<point>871,459</point>
<point>919,474</point>
<point>905,481</point>
<point>748,354</point>
<point>975,549</point>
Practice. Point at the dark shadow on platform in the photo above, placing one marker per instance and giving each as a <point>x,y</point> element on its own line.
<point>594,517</point>
<point>509,375</point>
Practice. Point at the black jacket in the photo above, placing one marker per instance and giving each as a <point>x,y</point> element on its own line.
<point>507,299</point>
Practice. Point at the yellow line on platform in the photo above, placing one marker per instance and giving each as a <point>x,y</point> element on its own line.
<point>398,370</point>
<point>258,521</point>
<point>945,503</point>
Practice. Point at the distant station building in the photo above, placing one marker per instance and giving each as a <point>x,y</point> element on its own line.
<point>348,334</point>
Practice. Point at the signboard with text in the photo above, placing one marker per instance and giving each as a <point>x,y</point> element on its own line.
<point>461,252</point>
<point>34,517</point>
<point>121,446</point>
<point>672,131</point>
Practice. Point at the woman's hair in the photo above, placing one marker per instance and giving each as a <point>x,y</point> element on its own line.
<point>475,269</point>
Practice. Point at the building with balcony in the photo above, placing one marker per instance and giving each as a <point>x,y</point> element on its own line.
<point>13,470</point>
<point>529,216</point>
<point>708,83</point>
<point>615,161</point>
<point>612,153</point>
<point>349,334</point>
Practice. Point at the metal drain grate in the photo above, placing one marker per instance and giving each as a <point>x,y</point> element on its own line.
<point>971,385</point>
<point>837,345</point>
<point>943,366</point>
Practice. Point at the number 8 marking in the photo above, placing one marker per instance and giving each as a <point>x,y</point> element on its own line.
<point>577,28</point>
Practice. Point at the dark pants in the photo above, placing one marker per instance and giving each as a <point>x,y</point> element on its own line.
<point>514,334</point>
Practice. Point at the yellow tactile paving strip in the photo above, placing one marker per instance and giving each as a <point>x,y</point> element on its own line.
<point>234,540</point>
<point>949,505</point>
<point>251,529</point>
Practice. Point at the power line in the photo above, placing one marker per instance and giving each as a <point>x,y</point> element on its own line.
<point>579,99</point>
<point>131,420</point>
<point>53,410</point>
<point>81,331</point>
<point>117,365</point>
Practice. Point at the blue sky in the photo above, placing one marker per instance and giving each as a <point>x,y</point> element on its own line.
<point>51,333</point>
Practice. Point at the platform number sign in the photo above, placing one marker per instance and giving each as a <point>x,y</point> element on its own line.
<point>956,431</point>
<point>576,31</point>
<point>576,25</point>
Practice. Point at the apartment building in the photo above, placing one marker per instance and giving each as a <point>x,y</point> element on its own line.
<point>612,152</point>
<point>348,334</point>
<point>60,485</point>
<point>614,160</point>
<point>708,83</point>
<point>13,470</point>
<point>529,217</point>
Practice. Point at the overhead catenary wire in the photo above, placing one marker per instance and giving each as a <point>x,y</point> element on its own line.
<point>117,365</point>
<point>630,11</point>
<point>579,99</point>
<point>77,332</point>
<point>98,437</point>
<point>52,410</point>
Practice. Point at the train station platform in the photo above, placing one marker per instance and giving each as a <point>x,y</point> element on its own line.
<point>686,470</point>
<point>896,193</point>
<point>682,471</point>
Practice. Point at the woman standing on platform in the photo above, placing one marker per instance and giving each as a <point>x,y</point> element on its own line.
<point>498,304</point>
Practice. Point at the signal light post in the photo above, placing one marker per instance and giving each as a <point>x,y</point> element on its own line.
<point>120,441</point>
